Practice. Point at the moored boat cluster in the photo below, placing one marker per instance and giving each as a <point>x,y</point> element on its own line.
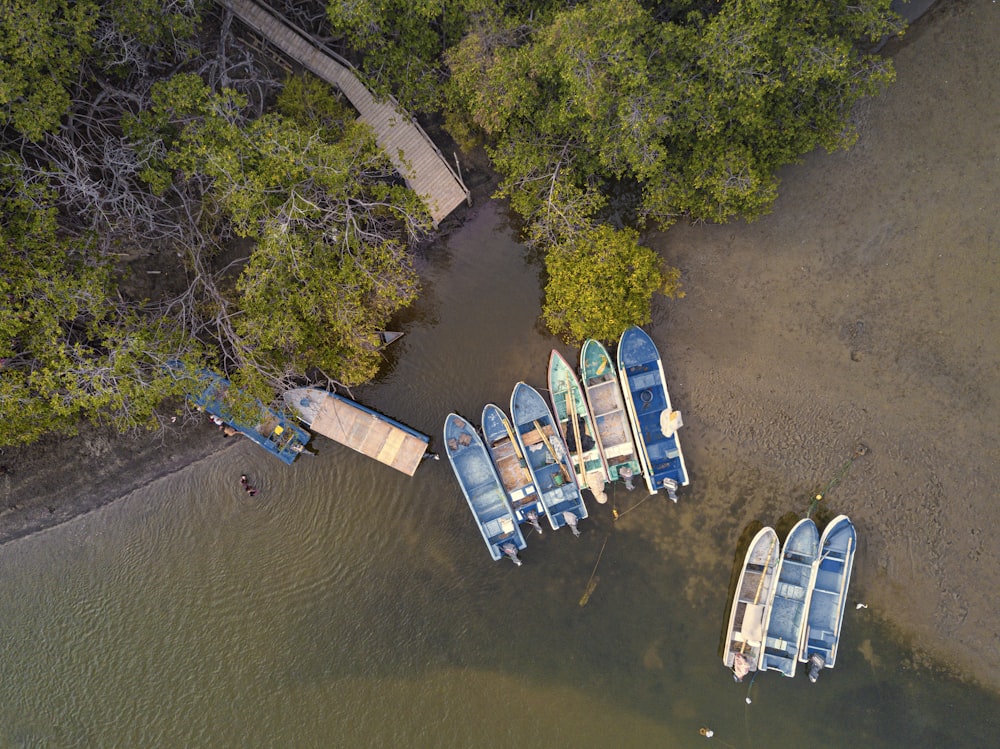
<point>603,423</point>
<point>789,602</point>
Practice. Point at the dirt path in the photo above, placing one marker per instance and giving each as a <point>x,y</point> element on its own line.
<point>865,310</point>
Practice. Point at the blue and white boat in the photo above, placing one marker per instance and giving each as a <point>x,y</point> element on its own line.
<point>749,611</point>
<point>786,618</point>
<point>654,422</point>
<point>548,461</point>
<point>271,430</point>
<point>829,595</point>
<point>505,451</point>
<point>482,488</point>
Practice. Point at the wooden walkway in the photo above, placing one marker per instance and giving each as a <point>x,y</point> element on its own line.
<point>409,148</point>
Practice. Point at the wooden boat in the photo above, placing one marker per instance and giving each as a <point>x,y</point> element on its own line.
<point>273,431</point>
<point>482,488</point>
<point>505,451</point>
<point>359,428</point>
<point>576,426</point>
<point>786,617</point>
<point>828,597</point>
<point>654,422</point>
<point>748,615</point>
<point>548,462</point>
<point>599,379</point>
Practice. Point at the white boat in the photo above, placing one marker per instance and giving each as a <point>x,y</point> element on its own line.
<point>748,615</point>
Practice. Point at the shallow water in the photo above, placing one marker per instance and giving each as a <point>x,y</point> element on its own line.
<point>348,605</point>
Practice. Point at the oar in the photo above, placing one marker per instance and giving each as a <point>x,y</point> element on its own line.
<point>548,445</point>
<point>510,436</point>
<point>571,414</point>
<point>637,432</point>
<point>760,584</point>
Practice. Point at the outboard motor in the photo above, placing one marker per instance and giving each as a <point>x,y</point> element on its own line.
<point>533,519</point>
<point>815,664</point>
<point>671,486</point>
<point>570,519</point>
<point>511,551</point>
<point>626,473</point>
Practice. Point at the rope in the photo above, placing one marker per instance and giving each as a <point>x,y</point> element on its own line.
<point>592,583</point>
<point>859,451</point>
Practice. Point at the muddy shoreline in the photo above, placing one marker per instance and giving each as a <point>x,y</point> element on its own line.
<point>862,310</point>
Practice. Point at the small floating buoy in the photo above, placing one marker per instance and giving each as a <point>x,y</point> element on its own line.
<point>706,732</point>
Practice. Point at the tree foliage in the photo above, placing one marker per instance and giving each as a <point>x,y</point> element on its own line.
<point>66,353</point>
<point>330,265</point>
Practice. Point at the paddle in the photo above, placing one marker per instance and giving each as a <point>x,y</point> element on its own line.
<point>571,414</point>
<point>552,452</point>
<point>513,442</point>
<point>760,584</point>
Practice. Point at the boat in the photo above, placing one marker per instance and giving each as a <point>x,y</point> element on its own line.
<point>273,431</point>
<point>576,426</point>
<point>748,615</point>
<point>654,422</point>
<point>359,428</point>
<point>505,451</point>
<point>828,597</point>
<point>599,379</point>
<point>548,462</point>
<point>482,489</point>
<point>786,617</point>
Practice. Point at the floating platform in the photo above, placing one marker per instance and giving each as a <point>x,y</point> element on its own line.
<point>359,428</point>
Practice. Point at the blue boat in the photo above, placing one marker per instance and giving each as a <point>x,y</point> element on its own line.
<point>274,432</point>
<point>548,461</point>
<point>511,466</point>
<point>829,595</point>
<point>482,488</point>
<point>654,422</point>
<point>786,618</point>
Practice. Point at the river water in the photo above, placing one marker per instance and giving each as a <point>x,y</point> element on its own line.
<point>347,605</point>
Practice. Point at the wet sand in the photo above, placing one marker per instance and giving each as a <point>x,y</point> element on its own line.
<point>862,310</point>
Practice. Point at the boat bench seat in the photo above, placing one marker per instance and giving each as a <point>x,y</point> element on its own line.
<point>789,590</point>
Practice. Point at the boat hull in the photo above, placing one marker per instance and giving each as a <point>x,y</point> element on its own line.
<point>275,433</point>
<point>648,402</point>
<point>828,598</point>
<point>482,488</point>
<point>546,456</point>
<point>359,428</point>
<point>504,450</point>
<point>599,379</point>
<point>786,618</point>
<point>576,425</point>
<point>751,602</point>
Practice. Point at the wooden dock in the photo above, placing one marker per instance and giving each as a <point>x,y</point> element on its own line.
<point>359,428</point>
<point>411,151</point>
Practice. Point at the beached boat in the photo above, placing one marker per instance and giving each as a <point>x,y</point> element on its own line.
<point>548,462</point>
<point>786,619</point>
<point>599,379</point>
<point>482,488</point>
<point>576,426</point>
<point>505,451</point>
<point>748,615</point>
<point>359,428</point>
<point>828,598</point>
<point>273,431</point>
<point>654,421</point>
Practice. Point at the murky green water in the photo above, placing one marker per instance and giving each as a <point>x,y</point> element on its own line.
<point>347,605</point>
